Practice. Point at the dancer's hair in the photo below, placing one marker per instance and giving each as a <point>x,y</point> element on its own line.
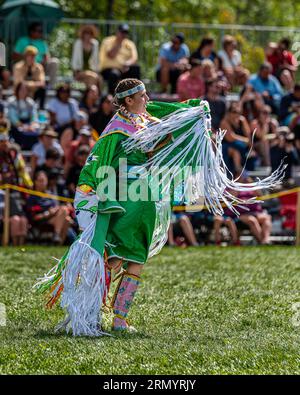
<point>124,85</point>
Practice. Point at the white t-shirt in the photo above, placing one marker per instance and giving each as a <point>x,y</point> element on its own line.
<point>65,112</point>
<point>39,150</point>
<point>229,63</point>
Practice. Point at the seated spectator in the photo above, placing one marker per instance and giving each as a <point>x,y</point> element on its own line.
<point>229,222</point>
<point>57,183</point>
<point>237,139</point>
<point>99,119</point>
<point>268,86</point>
<point>73,175</point>
<point>284,63</point>
<point>32,74</point>
<point>63,112</point>
<point>266,130</point>
<point>52,161</point>
<point>90,100</point>
<point>216,103</point>
<point>4,121</point>
<point>173,61</point>
<point>82,121</point>
<point>85,56</point>
<point>47,140</point>
<point>206,51</point>
<point>231,61</point>
<point>283,148</point>
<point>5,77</point>
<point>289,106</point>
<point>190,85</point>
<point>209,71</point>
<point>186,227</point>
<point>84,139</point>
<point>35,39</point>
<point>251,102</point>
<point>23,116</point>
<point>118,58</point>
<point>258,220</point>
<point>42,210</point>
<point>13,171</point>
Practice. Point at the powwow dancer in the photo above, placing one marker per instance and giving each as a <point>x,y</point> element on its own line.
<point>120,230</point>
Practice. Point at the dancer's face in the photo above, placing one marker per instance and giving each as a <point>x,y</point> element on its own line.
<point>137,103</point>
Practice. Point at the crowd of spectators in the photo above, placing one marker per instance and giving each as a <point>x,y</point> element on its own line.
<point>260,113</point>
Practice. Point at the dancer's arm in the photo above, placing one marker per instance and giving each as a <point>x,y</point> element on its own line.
<point>104,156</point>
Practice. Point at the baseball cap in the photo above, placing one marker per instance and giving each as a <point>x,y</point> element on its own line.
<point>85,131</point>
<point>284,130</point>
<point>49,132</point>
<point>124,28</point>
<point>82,116</point>
<point>195,62</point>
<point>180,37</point>
<point>290,137</point>
<point>83,149</point>
<point>4,136</point>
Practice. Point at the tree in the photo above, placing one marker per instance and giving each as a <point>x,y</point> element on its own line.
<point>250,12</point>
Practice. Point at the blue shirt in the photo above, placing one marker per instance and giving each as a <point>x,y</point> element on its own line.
<point>271,85</point>
<point>166,51</point>
<point>39,44</point>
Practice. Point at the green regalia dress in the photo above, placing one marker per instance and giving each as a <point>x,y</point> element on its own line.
<point>135,157</point>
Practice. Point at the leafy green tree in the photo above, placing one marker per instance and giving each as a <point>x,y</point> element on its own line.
<point>250,12</point>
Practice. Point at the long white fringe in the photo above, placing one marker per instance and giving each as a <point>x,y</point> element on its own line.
<point>83,279</point>
<point>195,148</point>
<point>162,223</point>
<point>84,286</point>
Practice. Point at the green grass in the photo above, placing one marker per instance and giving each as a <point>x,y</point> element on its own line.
<point>199,311</point>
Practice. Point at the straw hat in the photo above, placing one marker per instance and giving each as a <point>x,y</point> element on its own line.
<point>48,131</point>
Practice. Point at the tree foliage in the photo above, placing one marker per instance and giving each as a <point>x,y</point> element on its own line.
<point>250,12</point>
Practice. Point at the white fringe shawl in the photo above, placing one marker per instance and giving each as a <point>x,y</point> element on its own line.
<point>83,278</point>
<point>162,223</point>
<point>196,149</point>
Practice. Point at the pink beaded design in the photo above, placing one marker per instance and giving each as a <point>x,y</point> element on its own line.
<point>126,292</point>
<point>132,117</point>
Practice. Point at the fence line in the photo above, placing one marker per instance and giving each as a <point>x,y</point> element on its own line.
<point>149,36</point>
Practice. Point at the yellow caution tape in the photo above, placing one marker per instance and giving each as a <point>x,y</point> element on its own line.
<point>176,208</point>
<point>36,193</point>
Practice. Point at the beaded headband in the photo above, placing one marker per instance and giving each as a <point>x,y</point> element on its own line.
<point>131,91</point>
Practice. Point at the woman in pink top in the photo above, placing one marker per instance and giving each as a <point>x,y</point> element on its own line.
<point>190,85</point>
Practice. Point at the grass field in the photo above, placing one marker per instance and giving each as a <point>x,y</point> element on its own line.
<point>199,311</point>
